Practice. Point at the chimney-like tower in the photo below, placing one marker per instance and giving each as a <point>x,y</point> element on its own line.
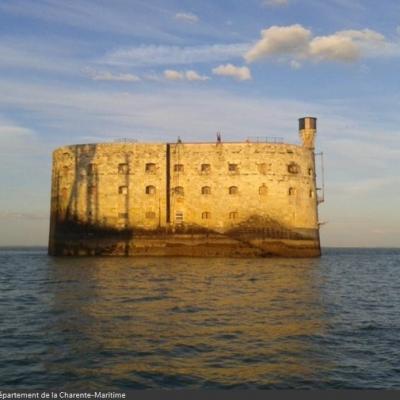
<point>307,131</point>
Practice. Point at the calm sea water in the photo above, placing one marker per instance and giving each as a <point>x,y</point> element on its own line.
<point>125,323</point>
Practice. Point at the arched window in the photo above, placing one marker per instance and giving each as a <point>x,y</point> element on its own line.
<point>150,189</point>
<point>205,168</point>
<point>178,168</point>
<point>263,190</point>
<point>150,168</point>
<point>293,168</point>
<point>179,191</point>
<point>206,190</point>
<point>292,191</point>
<point>311,193</point>
<point>233,190</point>
<point>206,215</point>
<point>233,215</point>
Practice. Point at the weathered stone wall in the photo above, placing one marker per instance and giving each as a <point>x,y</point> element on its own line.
<point>134,196</point>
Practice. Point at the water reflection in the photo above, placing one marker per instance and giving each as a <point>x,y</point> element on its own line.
<point>184,322</point>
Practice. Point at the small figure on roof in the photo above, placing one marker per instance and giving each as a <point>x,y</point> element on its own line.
<point>179,139</point>
<point>219,137</point>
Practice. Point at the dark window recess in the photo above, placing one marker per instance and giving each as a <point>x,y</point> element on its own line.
<point>205,168</point>
<point>150,168</point>
<point>150,189</point>
<point>233,215</point>
<point>123,168</point>
<point>233,168</point>
<point>179,191</point>
<point>310,171</point>
<point>178,168</point>
<point>293,168</point>
<point>206,190</point>
<point>206,215</point>
<point>292,191</point>
<point>233,190</point>
<point>123,190</point>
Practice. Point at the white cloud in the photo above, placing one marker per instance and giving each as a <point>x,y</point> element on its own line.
<point>173,75</point>
<point>346,46</point>
<point>194,76</point>
<point>109,76</point>
<point>297,44</point>
<point>190,75</point>
<point>334,48</point>
<point>186,17</point>
<point>239,73</point>
<point>174,55</point>
<point>291,39</point>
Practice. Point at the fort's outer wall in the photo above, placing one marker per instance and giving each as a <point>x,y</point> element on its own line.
<point>100,204</point>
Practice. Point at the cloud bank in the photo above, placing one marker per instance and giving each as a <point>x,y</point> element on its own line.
<point>174,55</point>
<point>297,43</point>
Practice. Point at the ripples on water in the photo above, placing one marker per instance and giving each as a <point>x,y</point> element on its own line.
<point>125,323</point>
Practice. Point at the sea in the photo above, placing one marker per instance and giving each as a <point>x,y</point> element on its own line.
<point>115,323</point>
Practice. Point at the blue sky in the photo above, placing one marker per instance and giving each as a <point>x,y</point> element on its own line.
<point>93,71</point>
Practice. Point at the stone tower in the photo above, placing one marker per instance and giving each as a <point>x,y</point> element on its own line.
<point>308,131</point>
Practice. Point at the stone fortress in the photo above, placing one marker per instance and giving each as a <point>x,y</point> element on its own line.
<point>238,199</point>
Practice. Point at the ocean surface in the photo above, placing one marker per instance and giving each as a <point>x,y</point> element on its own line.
<point>126,323</point>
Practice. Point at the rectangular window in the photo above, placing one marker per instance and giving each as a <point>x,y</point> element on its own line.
<point>206,215</point>
<point>233,215</point>
<point>123,168</point>
<point>233,168</point>
<point>150,168</point>
<point>205,168</point>
<point>178,168</point>
<point>123,190</point>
